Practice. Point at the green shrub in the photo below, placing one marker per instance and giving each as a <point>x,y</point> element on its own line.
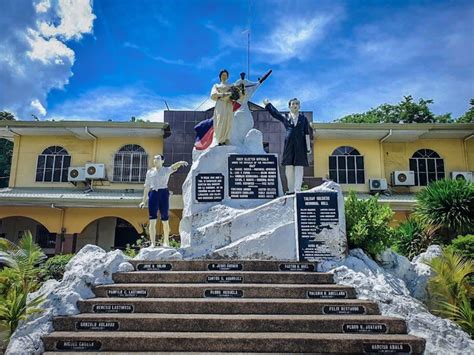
<point>464,245</point>
<point>448,204</point>
<point>412,237</point>
<point>450,289</point>
<point>54,267</point>
<point>367,224</point>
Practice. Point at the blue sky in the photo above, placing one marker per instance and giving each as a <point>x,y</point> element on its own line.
<point>113,59</point>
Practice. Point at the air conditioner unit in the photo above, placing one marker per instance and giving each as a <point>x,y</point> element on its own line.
<point>461,175</point>
<point>77,173</point>
<point>403,178</point>
<point>95,171</point>
<point>377,184</point>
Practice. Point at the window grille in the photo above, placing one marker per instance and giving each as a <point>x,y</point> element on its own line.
<point>53,165</point>
<point>130,164</point>
<point>346,166</point>
<point>427,165</point>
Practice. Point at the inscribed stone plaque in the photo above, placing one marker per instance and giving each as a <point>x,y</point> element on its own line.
<point>253,176</point>
<point>209,187</point>
<point>225,279</point>
<point>224,293</point>
<point>225,267</point>
<point>297,267</point>
<point>112,308</point>
<point>327,294</point>
<point>387,348</point>
<point>316,222</point>
<point>127,293</point>
<point>154,267</point>
<point>344,310</point>
<point>97,325</point>
<point>365,328</point>
<point>78,345</point>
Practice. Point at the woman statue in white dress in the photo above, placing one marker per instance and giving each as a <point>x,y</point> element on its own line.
<point>223,111</point>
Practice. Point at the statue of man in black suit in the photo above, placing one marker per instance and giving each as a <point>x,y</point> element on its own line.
<point>297,142</point>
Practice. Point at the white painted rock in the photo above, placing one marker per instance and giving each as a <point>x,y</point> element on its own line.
<point>89,267</point>
<point>415,274</point>
<point>158,253</point>
<point>374,283</point>
<point>263,232</point>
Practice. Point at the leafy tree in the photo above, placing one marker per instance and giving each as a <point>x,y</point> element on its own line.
<point>367,224</point>
<point>468,117</point>
<point>407,111</point>
<point>448,204</point>
<point>6,152</point>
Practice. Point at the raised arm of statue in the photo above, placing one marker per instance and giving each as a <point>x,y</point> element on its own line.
<point>276,114</point>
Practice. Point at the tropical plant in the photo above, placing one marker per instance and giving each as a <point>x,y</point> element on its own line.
<point>15,306</point>
<point>450,289</point>
<point>412,237</point>
<point>23,260</point>
<point>448,204</point>
<point>464,245</point>
<point>367,224</point>
<point>468,116</point>
<point>55,266</point>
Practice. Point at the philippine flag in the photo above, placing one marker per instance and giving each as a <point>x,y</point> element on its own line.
<point>205,131</point>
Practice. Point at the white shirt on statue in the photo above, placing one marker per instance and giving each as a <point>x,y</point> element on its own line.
<point>158,179</point>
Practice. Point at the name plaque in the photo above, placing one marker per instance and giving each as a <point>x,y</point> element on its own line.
<point>365,328</point>
<point>154,267</point>
<point>112,308</point>
<point>97,325</point>
<point>225,279</point>
<point>389,348</point>
<point>327,294</point>
<point>209,187</point>
<point>297,267</point>
<point>225,267</point>
<point>316,213</point>
<point>224,293</point>
<point>127,293</point>
<point>344,310</point>
<point>78,345</point>
<point>253,176</point>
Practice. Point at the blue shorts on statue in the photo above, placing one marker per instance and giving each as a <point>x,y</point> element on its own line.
<point>159,200</point>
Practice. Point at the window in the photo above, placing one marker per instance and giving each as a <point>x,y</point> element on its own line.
<point>346,166</point>
<point>130,164</point>
<point>52,165</point>
<point>427,165</point>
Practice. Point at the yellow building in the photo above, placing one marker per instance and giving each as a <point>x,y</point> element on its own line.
<point>63,215</point>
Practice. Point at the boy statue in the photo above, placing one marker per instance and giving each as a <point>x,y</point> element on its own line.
<point>157,194</point>
<point>297,143</point>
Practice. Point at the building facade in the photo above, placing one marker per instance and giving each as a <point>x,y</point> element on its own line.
<point>64,215</point>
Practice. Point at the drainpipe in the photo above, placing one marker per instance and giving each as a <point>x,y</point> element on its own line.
<point>383,139</point>
<point>18,136</point>
<point>466,162</point>
<point>94,151</point>
<point>63,230</point>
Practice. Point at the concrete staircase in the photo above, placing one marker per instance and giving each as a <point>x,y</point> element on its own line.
<point>229,306</point>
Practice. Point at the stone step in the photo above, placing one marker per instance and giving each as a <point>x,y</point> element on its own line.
<point>228,306</point>
<point>373,324</point>
<point>223,265</point>
<point>237,342</point>
<point>223,277</point>
<point>225,290</point>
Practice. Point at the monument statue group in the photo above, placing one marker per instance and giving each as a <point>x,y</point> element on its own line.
<point>233,180</point>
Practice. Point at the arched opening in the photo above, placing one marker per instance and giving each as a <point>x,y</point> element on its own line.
<point>13,228</point>
<point>109,233</point>
<point>346,166</point>
<point>427,165</point>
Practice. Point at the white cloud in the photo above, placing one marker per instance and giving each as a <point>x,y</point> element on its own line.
<point>34,56</point>
<point>120,104</point>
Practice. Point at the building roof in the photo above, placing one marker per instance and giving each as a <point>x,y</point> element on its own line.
<point>87,130</point>
<point>393,132</point>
